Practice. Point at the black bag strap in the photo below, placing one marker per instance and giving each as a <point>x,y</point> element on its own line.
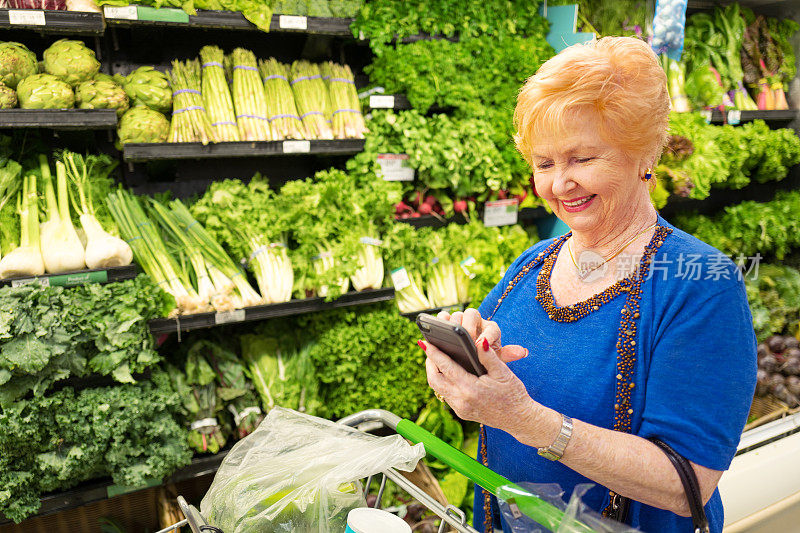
<point>690,485</point>
<point>621,504</point>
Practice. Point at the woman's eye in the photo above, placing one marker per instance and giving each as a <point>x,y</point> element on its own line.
<point>584,159</point>
<point>546,164</point>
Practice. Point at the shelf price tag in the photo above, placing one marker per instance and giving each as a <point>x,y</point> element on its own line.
<point>400,278</point>
<point>291,22</point>
<point>26,17</point>
<point>500,212</point>
<point>44,282</point>
<point>395,167</point>
<point>226,317</point>
<point>121,12</point>
<point>381,101</point>
<point>296,147</point>
<point>734,117</point>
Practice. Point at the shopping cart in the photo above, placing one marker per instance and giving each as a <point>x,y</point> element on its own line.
<point>520,501</point>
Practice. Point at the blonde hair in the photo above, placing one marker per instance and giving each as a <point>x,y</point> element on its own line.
<point>618,79</point>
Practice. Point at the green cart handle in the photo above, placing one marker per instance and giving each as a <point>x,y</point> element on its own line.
<point>518,498</point>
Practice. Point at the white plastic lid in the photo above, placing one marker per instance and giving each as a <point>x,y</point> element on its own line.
<point>369,520</point>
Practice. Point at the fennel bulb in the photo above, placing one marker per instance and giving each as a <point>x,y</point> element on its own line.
<point>26,259</point>
<point>102,249</point>
<point>62,250</point>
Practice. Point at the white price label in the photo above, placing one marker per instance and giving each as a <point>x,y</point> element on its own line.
<point>226,317</point>
<point>395,167</point>
<point>734,117</point>
<point>706,114</point>
<point>43,282</point>
<point>291,22</point>
<point>400,278</point>
<point>121,12</point>
<point>296,147</point>
<point>371,240</point>
<point>26,17</point>
<point>381,101</point>
<point>500,213</point>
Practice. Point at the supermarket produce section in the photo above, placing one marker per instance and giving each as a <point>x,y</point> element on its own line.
<point>213,209</point>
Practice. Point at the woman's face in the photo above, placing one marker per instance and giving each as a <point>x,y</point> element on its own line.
<point>589,184</point>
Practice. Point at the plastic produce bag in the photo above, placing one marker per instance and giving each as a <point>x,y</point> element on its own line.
<point>576,510</point>
<point>299,473</point>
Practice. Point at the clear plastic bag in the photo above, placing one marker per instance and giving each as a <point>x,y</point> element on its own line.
<point>576,510</point>
<point>299,473</point>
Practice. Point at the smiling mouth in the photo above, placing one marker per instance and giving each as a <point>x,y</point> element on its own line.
<point>578,202</point>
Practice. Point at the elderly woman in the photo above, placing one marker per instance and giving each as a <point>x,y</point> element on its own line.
<point>623,329</point>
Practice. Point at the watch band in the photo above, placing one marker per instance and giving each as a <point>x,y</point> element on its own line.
<point>555,451</point>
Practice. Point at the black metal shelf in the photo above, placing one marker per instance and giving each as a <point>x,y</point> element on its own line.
<point>139,152</point>
<point>435,310</point>
<point>77,277</point>
<point>228,20</point>
<point>53,22</point>
<point>263,312</point>
<point>62,119</point>
<point>788,115</point>
<point>526,215</point>
<point>98,490</point>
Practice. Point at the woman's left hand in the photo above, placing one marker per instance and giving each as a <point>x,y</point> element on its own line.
<point>498,398</point>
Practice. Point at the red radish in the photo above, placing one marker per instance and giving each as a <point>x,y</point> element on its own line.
<point>405,216</point>
<point>417,199</point>
<point>425,209</point>
<point>502,195</point>
<point>438,210</point>
<point>460,206</point>
<point>401,207</point>
<point>430,200</point>
<point>415,215</point>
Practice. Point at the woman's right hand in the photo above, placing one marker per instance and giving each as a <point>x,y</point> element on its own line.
<point>478,328</point>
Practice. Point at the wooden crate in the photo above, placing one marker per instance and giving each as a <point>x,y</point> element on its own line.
<point>766,409</point>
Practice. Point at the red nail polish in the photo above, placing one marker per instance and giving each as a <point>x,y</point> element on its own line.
<point>485,344</point>
<point>421,345</point>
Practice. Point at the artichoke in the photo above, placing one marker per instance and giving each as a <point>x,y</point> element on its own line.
<point>147,86</point>
<point>71,61</point>
<point>8,97</point>
<point>100,76</point>
<point>142,125</point>
<point>99,94</point>
<point>16,63</point>
<point>44,91</point>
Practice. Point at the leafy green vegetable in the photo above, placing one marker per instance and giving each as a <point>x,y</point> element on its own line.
<point>750,228</point>
<point>381,21</point>
<point>56,441</point>
<point>774,298</point>
<point>50,333</point>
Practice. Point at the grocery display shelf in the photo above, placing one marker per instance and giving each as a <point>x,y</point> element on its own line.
<point>263,312</point>
<point>63,119</point>
<point>52,21</point>
<point>436,310</point>
<point>526,215</point>
<point>139,16</point>
<point>95,491</point>
<point>733,117</point>
<point>76,277</point>
<point>140,152</point>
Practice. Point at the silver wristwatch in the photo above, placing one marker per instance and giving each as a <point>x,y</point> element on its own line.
<point>555,451</point>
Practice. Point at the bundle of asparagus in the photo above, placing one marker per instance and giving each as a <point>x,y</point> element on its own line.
<point>217,95</point>
<point>311,97</point>
<point>346,118</point>
<point>248,97</point>
<point>189,120</point>
<point>281,109</point>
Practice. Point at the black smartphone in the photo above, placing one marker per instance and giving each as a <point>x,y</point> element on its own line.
<point>453,340</point>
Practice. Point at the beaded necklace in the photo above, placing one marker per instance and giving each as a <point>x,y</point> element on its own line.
<point>626,344</point>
